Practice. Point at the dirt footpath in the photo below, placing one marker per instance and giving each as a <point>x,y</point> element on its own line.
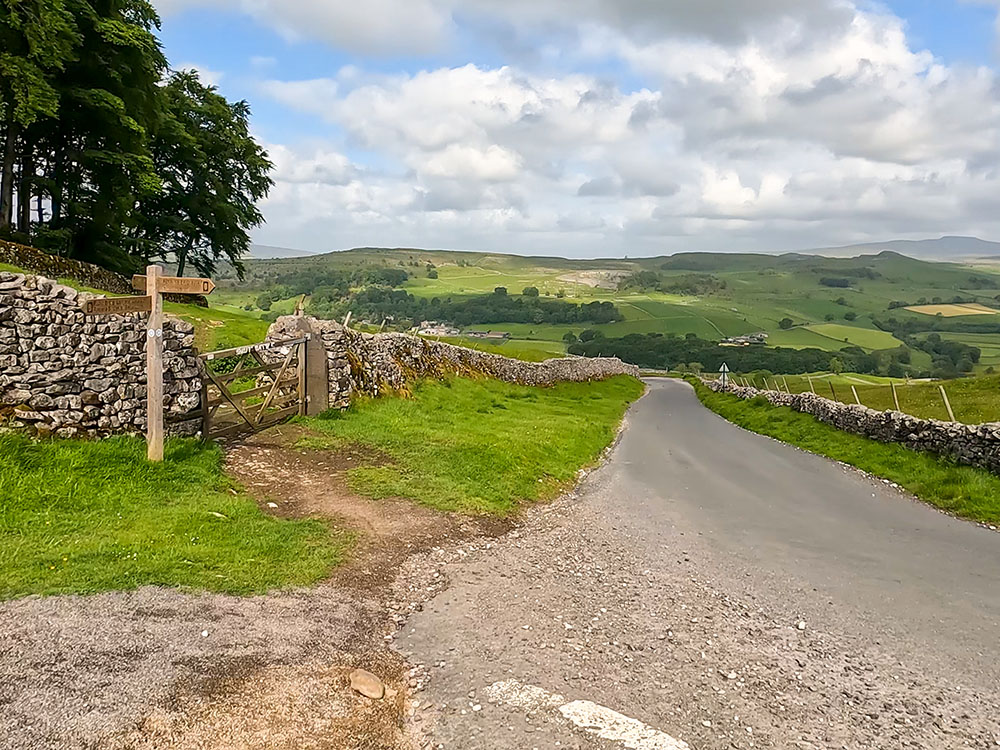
<point>157,668</point>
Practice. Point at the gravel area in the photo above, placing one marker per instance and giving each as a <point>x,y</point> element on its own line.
<point>572,605</point>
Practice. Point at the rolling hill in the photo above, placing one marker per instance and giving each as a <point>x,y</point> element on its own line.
<point>799,299</point>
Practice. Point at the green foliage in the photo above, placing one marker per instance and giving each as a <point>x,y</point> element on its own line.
<point>83,517</point>
<point>963,490</point>
<point>687,284</point>
<point>481,446</point>
<point>667,352</point>
<point>785,323</point>
<point>213,174</point>
<point>126,170</point>
<point>530,291</point>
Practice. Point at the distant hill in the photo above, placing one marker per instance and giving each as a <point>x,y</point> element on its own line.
<point>268,252</point>
<point>945,248</point>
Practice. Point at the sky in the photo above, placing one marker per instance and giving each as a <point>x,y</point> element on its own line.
<point>605,128</point>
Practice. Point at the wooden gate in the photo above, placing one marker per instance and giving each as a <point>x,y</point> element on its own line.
<point>251,388</point>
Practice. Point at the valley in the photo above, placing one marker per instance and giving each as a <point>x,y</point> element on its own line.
<point>870,302</point>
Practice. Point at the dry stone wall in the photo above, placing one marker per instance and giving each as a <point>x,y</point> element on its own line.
<point>975,445</point>
<point>68,374</point>
<point>372,364</point>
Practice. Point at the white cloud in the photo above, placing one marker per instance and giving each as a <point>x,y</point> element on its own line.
<point>826,128</point>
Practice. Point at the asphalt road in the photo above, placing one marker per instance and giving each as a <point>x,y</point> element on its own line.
<point>717,588</point>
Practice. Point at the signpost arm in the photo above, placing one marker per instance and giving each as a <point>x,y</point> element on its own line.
<point>154,367</point>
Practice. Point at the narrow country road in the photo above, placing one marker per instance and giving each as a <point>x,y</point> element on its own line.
<point>712,588</point>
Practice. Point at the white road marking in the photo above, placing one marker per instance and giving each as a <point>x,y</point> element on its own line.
<point>591,717</point>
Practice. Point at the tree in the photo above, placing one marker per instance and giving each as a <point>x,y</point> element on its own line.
<point>432,273</point>
<point>786,323</point>
<point>569,337</point>
<point>829,317</point>
<point>530,291</point>
<point>500,291</point>
<point>37,40</point>
<point>837,365</point>
<point>696,367</point>
<point>850,315</point>
<point>119,164</point>
<point>213,173</point>
<point>99,164</point>
<point>589,334</point>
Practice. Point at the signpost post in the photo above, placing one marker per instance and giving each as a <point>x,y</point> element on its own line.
<point>725,375</point>
<point>155,285</point>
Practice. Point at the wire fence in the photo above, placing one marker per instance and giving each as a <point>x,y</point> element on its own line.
<point>972,401</point>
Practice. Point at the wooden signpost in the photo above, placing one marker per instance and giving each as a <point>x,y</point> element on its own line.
<point>155,285</point>
<point>176,284</point>
<point>117,306</point>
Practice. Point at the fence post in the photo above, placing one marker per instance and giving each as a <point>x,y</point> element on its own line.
<point>832,390</point>
<point>785,381</point>
<point>895,396</point>
<point>206,419</point>
<point>856,398</point>
<point>947,404</point>
<point>811,389</point>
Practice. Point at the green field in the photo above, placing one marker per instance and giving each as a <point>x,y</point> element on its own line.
<point>759,291</point>
<point>974,400</point>
<point>83,517</point>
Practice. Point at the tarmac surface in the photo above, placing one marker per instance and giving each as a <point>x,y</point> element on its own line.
<point>712,588</point>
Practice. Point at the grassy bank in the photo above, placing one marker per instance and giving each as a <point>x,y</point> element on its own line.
<point>963,490</point>
<point>83,517</point>
<point>479,446</point>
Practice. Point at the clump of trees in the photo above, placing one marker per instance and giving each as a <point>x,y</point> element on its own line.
<point>377,302</point>
<point>835,282</point>
<point>667,351</point>
<point>109,157</point>
<point>692,284</point>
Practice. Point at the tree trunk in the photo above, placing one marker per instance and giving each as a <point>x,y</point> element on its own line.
<point>57,185</point>
<point>182,255</point>
<point>7,177</point>
<point>24,193</point>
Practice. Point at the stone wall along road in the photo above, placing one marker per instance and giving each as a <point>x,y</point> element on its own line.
<point>975,445</point>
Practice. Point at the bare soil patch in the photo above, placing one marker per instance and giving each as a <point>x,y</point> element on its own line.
<point>313,483</point>
<point>598,279</point>
<point>953,310</point>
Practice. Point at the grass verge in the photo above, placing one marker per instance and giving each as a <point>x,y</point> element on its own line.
<point>84,517</point>
<point>962,490</point>
<point>478,446</point>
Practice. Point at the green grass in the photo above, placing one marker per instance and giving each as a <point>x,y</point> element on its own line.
<point>523,349</point>
<point>479,446</point>
<point>84,517</point>
<point>962,490</point>
<point>974,400</point>
<point>216,328</point>
<point>866,338</point>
